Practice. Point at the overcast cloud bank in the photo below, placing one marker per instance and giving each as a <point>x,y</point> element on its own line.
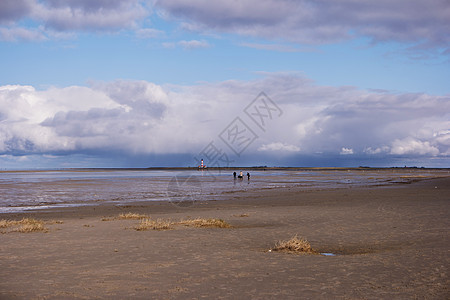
<point>421,25</point>
<point>323,21</point>
<point>141,118</point>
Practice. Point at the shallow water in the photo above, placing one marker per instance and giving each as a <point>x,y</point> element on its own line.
<point>327,254</point>
<point>30,190</point>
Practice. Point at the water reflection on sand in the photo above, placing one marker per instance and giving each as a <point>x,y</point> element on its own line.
<point>29,190</point>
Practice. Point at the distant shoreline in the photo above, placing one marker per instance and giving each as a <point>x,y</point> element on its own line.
<point>254,168</point>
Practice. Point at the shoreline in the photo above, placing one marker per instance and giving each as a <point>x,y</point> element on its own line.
<point>322,179</point>
<point>389,241</point>
<point>250,168</point>
<point>244,198</point>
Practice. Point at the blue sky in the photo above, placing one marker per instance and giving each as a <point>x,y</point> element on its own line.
<point>151,83</point>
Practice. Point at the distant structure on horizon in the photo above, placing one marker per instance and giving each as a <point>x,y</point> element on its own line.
<point>202,166</point>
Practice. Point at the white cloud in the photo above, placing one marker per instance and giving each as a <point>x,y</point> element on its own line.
<point>383,149</point>
<point>279,147</point>
<point>346,151</point>
<point>194,44</point>
<point>139,117</point>
<point>443,138</point>
<point>187,45</point>
<point>18,33</point>
<point>413,146</point>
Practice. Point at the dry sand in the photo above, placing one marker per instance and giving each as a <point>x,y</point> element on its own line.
<point>392,242</point>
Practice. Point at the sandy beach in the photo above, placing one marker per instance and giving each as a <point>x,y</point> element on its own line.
<point>391,242</point>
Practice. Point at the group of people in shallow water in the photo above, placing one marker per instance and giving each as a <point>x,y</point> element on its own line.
<point>241,175</point>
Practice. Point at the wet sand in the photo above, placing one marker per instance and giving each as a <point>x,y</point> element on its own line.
<point>391,242</point>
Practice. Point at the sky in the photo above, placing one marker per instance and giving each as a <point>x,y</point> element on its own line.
<point>130,83</point>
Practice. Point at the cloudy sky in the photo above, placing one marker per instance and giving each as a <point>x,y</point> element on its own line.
<point>130,83</point>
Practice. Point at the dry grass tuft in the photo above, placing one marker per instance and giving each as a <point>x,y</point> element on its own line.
<point>6,223</point>
<point>26,225</point>
<point>132,216</point>
<point>30,225</point>
<point>199,222</point>
<point>159,224</point>
<point>294,245</point>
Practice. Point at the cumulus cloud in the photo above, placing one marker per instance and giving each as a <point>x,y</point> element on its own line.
<point>317,22</point>
<point>279,147</point>
<point>378,150</point>
<point>346,151</point>
<point>140,117</point>
<point>413,146</point>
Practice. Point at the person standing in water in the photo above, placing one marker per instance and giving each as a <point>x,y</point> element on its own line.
<point>234,175</point>
<point>241,175</point>
<point>248,175</point>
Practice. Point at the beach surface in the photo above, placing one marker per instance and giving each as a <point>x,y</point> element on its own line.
<point>390,242</point>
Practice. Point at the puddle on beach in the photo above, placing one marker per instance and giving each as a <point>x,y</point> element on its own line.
<point>327,254</point>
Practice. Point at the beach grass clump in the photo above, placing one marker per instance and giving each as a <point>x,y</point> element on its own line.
<point>6,223</point>
<point>294,245</point>
<point>164,224</point>
<point>158,224</point>
<point>31,225</point>
<point>200,222</point>
<point>26,225</point>
<point>132,216</point>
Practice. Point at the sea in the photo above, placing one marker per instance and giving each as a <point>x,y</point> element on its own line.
<point>24,191</point>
